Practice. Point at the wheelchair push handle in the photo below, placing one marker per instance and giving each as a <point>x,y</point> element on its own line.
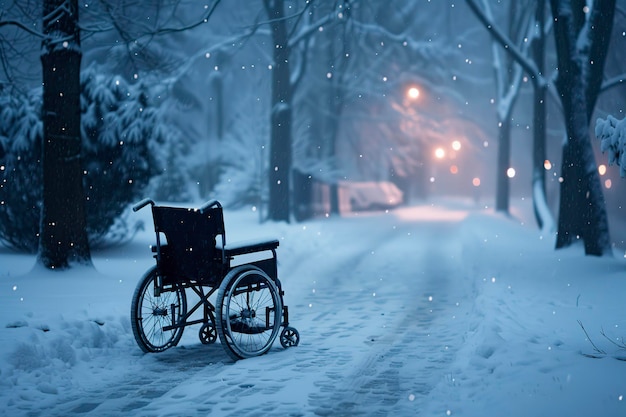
<point>142,204</point>
<point>209,204</point>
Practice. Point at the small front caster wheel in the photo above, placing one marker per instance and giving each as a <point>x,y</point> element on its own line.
<point>289,337</point>
<point>207,334</point>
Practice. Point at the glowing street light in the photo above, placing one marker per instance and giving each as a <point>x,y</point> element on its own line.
<point>440,153</point>
<point>413,93</point>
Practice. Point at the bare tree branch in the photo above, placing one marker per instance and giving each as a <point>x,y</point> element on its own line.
<point>612,82</point>
<point>596,348</point>
<point>202,21</point>
<point>529,66</point>
<point>22,26</point>
<point>621,343</point>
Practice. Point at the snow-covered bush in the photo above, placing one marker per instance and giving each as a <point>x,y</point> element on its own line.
<point>127,144</point>
<point>612,135</point>
<point>20,170</point>
<point>124,145</point>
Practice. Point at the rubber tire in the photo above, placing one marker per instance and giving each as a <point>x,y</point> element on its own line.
<point>144,302</point>
<point>289,337</point>
<point>233,342</point>
<point>207,333</point>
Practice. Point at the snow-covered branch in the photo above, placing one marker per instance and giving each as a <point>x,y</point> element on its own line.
<point>528,65</point>
<point>426,49</point>
<point>612,135</point>
<point>507,88</point>
<point>612,82</point>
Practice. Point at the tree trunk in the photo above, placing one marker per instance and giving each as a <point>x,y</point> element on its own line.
<point>540,203</point>
<point>503,164</point>
<point>280,129</point>
<point>543,216</point>
<point>63,238</point>
<point>582,212</point>
<point>335,99</point>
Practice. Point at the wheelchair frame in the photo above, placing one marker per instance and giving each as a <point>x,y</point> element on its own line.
<point>249,308</point>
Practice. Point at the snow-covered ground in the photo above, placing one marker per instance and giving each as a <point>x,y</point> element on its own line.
<point>433,310</point>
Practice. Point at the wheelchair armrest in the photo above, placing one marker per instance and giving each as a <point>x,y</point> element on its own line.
<point>250,246</point>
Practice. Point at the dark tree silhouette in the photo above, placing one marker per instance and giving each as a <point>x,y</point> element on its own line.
<point>582,34</point>
<point>582,42</point>
<point>280,125</point>
<point>63,239</point>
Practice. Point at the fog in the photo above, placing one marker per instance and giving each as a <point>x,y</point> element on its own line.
<point>353,66</point>
<point>219,90</point>
<point>367,137</point>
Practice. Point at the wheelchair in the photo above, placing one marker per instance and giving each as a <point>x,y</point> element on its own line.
<point>248,312</point>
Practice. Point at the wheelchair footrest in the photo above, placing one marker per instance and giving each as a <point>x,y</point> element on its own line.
<point>240,326</point>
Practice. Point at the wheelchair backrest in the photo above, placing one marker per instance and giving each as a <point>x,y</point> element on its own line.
<point>190,252</point>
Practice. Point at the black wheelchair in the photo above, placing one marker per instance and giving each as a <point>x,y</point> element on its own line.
<point>248,312</point>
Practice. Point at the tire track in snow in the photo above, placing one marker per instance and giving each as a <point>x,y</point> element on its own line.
<point>151,377</point>
<point>408,354</point>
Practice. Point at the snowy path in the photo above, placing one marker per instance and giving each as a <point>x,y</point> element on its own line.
<point>400,347</point>
<point>372,317</point>
<point>423,311</point>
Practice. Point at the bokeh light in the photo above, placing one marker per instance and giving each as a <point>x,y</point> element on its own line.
<point>510,172</point>
<point>413,93</point>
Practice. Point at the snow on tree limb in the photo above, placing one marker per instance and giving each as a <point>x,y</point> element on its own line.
<point>613,82</point>
<point>427,50</point>
<point>519,56</point>
<point>612,135</point>
<point>543,209</point>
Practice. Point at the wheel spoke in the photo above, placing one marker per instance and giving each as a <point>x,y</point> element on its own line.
<point>150,313</point>
<point>244,300</point>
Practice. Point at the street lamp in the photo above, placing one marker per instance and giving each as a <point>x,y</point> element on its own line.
<point>413,93</point>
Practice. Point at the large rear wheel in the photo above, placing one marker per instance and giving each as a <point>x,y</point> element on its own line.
<point>249,312</point>
<point>152,311</point>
